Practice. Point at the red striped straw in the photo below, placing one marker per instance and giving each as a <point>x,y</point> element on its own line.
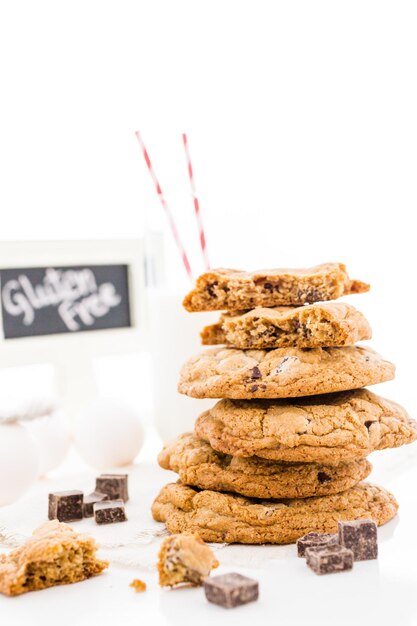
<point>165,206</point>
<point>197,211</point>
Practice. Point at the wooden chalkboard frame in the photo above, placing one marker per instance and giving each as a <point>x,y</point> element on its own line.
<point>72,353</point>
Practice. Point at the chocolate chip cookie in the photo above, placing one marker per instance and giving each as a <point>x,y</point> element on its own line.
<point>54,555</point>
<point>322,429</point>
<point>200,466</point>
<point>328,324</point>
<point>184,559</point>
<point>281,373</point>
<point>225,289</point>
<point>225,517</point>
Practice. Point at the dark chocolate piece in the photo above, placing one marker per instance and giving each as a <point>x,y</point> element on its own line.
<point>210,289</point>
<point>109,512</point>
<point>113,485</point>
<point>315,539</point>
<point>255,373</point>
<point>323,477</point>
<point>230,590</point>
<point>361,537</point>
<point>90,500</point>
<point>65,506</point>
<point>329,559</point>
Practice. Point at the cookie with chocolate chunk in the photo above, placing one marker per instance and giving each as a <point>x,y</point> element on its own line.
<point>228,518</point>
<point>184,558</point>
<point>53,555</point>
<point>281,373</point>
<point>225,289</point>
<point>200,466</point>
<point>327,324</point>
<point>322,429</point>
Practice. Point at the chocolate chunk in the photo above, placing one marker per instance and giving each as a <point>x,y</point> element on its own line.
<point>255,373</point>
<point>268,286</point>
<point>306,332</point>
<point>253,388</point>
<point>113,485</point>
<point>322,477</point>
<point>65,506</point>
<point>329,559</point>
<point>315,539</point>
<point>90,500</point>
<point>309,295</point>
<point>210,289</point>
<point>230,590</point>
<point>110,512</point>
<point>369,423</point>
<point>361,537</point>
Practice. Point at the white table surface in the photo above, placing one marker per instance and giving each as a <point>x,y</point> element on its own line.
<point>380,592</point>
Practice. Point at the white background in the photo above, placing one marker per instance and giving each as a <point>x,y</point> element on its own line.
<point>302,125</point>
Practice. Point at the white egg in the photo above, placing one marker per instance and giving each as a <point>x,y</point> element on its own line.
<point>108,433</point>
<point>53,439</point>
<point>19,462</point>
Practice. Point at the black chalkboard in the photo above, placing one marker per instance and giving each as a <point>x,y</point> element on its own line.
<point>49,300</point>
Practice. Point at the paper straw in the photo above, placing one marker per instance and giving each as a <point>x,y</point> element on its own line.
<point>165,206</point>
<point>201,233</point>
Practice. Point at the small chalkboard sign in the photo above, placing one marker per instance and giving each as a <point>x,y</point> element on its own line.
<point>69,299</point>
<point>68,303</point>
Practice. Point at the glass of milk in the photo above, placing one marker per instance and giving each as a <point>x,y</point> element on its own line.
<point>173,336</point>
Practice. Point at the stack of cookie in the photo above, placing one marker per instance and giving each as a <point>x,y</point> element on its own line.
<point>283,453</point>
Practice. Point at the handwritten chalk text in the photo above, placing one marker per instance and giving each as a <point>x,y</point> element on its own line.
<point>75,294</point>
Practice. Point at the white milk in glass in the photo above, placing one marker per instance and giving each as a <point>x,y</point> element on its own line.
<point>174,337</point>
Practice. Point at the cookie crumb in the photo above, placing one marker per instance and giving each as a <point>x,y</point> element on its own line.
<point>138,585</point>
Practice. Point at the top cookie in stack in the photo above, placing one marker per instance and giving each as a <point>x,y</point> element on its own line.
<point>294,425</point>
<point>232,290</point>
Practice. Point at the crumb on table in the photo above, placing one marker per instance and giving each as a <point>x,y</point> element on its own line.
<point>138,585</point>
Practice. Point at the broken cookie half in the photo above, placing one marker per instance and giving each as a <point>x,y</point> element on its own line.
<point>184,558</point>
<point>54,555</point>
